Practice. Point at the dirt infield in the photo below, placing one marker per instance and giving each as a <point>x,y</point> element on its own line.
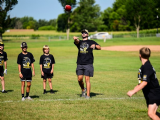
<point>131,48</point>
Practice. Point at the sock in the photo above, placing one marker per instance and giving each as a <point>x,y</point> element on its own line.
<point>27,94</point>
<point>2,90</point>
<point>22,95</point>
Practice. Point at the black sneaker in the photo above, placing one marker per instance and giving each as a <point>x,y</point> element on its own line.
<point>51,91</point>
<point>45,92</point>
<point>4,91</point>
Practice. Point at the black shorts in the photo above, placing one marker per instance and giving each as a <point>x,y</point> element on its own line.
<point>47,76</point>
<point>26,79</point>
<point>152,101</point>
<point>86,70</point>
<point>1,74</point>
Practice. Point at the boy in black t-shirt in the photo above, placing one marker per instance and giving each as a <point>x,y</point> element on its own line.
<point>25,62</point>
<point>3,61</point>
<point>149,84</point>
<point>47,66</point>
<point>85,61</point>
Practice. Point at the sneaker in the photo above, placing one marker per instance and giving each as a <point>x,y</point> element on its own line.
<point>51,91</point>
<point>28,98</point>
<point>4,91</point>
<point>84,93</point>
<point>23,99</point>
<point>45,92</point>
<point>87,97</point>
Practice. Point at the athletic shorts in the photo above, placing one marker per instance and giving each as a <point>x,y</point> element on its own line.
<point>26,79</point>
<point>157,101</point>
<point>47,76</point>
<point>86,70</point>
<point>1,74</point>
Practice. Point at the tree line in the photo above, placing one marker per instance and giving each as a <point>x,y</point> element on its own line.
<point>124,15</point>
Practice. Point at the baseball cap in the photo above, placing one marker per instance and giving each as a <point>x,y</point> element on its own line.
<point>85,30</point>
<point>23,44</point>
<point>1,44</point>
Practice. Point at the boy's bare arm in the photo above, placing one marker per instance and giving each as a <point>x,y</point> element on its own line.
<point>5,64</point>
<point>33,72</point>
<point>19,69</point>
<point>52,68</point>
<point>137,88</point>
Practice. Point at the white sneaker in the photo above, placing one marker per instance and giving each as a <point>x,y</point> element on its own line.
<point>23,99</point>
<point>28,98</point>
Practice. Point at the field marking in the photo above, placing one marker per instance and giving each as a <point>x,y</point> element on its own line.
<point>41,100</point>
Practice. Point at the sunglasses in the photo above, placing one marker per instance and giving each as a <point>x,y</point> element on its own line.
<point>84,32</point>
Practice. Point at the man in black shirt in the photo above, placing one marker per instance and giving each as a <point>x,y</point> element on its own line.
<point>25,62</point>
<point>85,61</point>
<point>3,61</point>
<point>149,84</point>
<point>47,66</point>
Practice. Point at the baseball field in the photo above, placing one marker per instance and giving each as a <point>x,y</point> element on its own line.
<point>115,73</point>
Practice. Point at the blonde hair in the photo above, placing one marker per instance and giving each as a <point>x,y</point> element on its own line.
<point>45,47</point>
<point>145,52</point>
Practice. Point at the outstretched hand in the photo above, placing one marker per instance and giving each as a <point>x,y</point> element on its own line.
<point>130,93</point>
<point>75,38</point>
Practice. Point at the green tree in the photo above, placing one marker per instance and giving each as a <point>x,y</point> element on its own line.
<point>52,22</point>
<point>62,22</point>
<point>86,15</point>
<point>105,18</point>
<point>5,20</point>
<point>28,22</point>
<point>14,20</point>
<point>139,11</point>
<point>31,25</point>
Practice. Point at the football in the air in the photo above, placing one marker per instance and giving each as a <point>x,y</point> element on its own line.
<point>67,7</point>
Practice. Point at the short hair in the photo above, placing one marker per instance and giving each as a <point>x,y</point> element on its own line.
<point>45,47</point>
<point>145,52</point>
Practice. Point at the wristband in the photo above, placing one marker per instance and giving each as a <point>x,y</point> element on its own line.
<point>20,73</point>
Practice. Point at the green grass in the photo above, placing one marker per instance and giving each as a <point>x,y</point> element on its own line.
<point>115,74</point>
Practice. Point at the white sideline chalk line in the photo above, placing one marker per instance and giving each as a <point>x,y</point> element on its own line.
<point>114,98</point>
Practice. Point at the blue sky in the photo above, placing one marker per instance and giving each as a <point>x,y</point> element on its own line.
<point>46,9</point>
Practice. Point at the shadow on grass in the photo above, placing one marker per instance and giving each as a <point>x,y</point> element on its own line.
<point>95,94</point>
<point>34,96</point>
<point>9,91</point>
<point>92,94</point>
<point>48,91</point>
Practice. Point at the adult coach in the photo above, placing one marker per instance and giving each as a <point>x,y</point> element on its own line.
<point>25,62</point>
<point>85,61</point>
<point>149,84</point>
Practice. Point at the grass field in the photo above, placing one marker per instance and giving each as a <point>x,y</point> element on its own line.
<point>115,74</point>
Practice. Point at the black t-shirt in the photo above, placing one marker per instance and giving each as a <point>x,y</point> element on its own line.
<point>147,73</point>
<point>85,54</point>
<point>47,62</point>
<point>25,61</point>
<point>3,58</point>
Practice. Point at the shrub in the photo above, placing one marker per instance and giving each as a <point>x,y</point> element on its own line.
<point>46,28</point>
<point>33,36</point>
